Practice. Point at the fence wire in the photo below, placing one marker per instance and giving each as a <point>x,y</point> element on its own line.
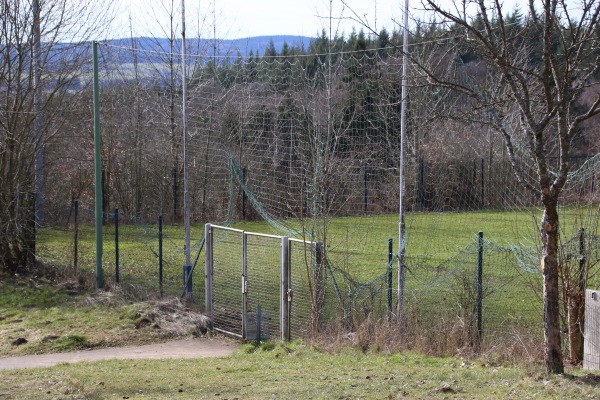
<point>309,144</point>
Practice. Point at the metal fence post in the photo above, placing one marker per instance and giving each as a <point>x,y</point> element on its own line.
<point>245,287</point>
<point>304,194</point>
<point>480,286</point>
<point>389,278</point>
<point>244,196</point>
<point>174,194</point>
<point>482,183</point>
<point>285,286</point>
<point>421,188</point>
<point>76,238</point>
<point>187,281</point>
<point>160,254</point>
<point>366,187</point>
<point>98,196</point>
<point>116,218</point>
<point>208,271</point>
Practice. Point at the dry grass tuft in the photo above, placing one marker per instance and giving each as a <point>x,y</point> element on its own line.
<point>172,316</point>
<point>440,337</point>
<point>169,315</point>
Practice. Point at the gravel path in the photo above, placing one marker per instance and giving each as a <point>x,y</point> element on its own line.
<point>186,348</point>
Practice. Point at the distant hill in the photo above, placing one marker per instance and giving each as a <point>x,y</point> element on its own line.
<point>225,47</point>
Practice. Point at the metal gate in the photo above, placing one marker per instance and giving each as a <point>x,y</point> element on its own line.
<point>266,302</point>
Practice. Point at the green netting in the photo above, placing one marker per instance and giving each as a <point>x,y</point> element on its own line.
<point>306,143</point>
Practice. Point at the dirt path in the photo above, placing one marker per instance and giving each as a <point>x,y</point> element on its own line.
<point>186,348</point>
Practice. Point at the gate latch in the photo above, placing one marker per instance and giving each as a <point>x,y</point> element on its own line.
<point>244,285</point>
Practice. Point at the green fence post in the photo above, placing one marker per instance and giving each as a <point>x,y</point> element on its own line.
<point>160,254</point>
<point>98,173</point>
<point>480,287</point>
<point>116,245</point>
<point>389,277</point>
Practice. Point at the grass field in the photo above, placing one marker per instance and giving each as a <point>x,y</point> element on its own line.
<point>359,242</point>
<point>441,256</point>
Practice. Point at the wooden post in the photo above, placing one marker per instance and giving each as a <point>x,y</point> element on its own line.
<point>576,306</point>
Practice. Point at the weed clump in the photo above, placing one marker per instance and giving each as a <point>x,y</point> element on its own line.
<point>439,337</point>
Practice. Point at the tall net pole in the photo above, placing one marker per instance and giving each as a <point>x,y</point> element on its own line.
<point>401,228</point>
<point>98,172</point>
<point>186,196</point>
<point>37,95</point>
<point>317,128</point>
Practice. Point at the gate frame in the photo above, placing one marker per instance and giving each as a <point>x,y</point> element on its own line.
<point>285,292</point>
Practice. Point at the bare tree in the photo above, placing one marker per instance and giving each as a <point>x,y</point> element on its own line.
<point>56,69</point>
<point>169,12</point>
<point>537,70</point>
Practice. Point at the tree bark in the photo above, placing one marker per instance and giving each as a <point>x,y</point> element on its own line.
<point>549,266</point>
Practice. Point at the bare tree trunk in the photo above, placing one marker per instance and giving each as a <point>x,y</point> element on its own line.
<point>549,266</point>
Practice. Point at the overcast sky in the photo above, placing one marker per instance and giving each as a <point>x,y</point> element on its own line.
<point>245,18</point>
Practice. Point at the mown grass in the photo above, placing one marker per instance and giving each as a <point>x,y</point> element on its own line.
<point>358,244</point>
<point>355,244</point>
<point>440,254</point>
<point>296,371</point>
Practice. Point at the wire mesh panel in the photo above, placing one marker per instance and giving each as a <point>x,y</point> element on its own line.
<point>263,266</point>
<point>132,253</point>
<point>443,299</point>
<point>138,244</point>
<point>273,297</point>
<point>307,141</point>
<point>302,264</point>
<point>226,278</point>
<point>512,295</point>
